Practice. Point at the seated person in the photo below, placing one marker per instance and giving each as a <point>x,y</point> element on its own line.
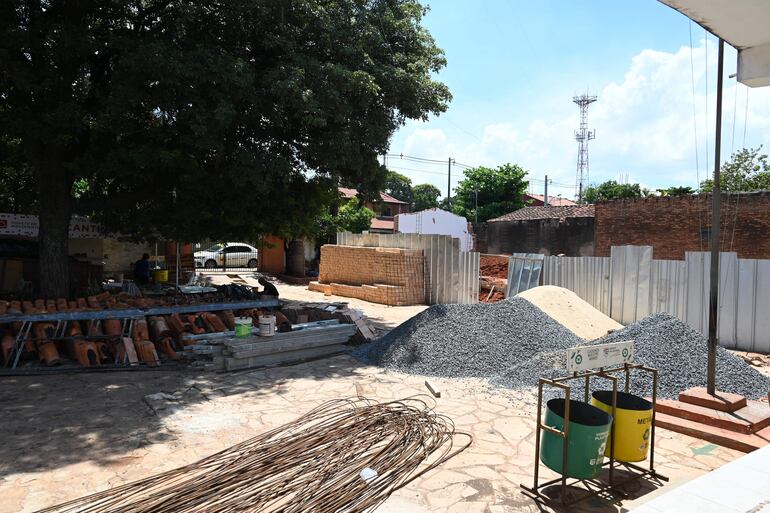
<point>268,289</point>
<point>142,270</point>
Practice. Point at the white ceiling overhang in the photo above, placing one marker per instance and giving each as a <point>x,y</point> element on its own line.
<point>743,24</point>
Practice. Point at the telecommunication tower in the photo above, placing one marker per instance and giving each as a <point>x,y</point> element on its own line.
<point>582,136</point>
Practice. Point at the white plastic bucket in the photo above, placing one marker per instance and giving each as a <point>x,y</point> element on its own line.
<point>266,325</point>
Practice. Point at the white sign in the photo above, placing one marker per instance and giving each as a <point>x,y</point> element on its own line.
<point>29,226</point>
<point>601,355</point>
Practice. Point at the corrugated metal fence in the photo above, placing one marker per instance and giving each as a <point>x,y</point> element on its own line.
<point>451,275</point>
<point>630,285</point>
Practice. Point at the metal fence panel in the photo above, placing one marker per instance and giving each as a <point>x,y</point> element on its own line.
<point>753,312</point>
<point>588,277</point>
<point>633,286</point>
<point>668,282</point>
<point>630,282</point>
<point>524,271</point>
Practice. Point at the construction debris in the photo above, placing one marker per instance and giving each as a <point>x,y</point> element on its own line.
<point>346,455</point>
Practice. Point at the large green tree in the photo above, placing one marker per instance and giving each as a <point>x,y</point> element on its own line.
<point>196,119</point>
<point>399,186</point>
<point>354,217</point>
<point>747,170</point>
<point>497,190</point>
<point>611,190</point>
<point>425,196</point>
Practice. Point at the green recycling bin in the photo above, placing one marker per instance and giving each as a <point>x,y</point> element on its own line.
<point>589,429</point>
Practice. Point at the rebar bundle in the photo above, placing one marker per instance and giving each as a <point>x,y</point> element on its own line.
<point>347,455</point>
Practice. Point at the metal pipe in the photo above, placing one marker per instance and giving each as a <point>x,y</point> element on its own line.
<point>713,339</point>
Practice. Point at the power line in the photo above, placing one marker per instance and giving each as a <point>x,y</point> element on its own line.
<point>745,117</point>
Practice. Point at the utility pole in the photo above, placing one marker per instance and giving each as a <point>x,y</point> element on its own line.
<point>582,136</point>
<point>476,210</point>
<point>545,192</point>
<point>449,183</point>
<point>715,220</point>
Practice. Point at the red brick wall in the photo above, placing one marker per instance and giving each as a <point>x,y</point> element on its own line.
<point>674,225</point>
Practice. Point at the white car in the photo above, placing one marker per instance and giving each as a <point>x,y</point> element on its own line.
<point>238,254</point>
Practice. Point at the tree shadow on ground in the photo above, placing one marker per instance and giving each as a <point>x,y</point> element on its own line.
<point>51,421</point>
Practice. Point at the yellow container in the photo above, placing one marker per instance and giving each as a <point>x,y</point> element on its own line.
<point>633,422</point>
<point>160,275</point>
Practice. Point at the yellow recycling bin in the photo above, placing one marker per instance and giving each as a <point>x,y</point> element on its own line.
<point>633,422</point>
<point>160,275</point>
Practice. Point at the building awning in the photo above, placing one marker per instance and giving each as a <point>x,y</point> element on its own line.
<point>743,24</point>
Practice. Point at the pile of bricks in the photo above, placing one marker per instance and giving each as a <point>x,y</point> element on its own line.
<point>389,276</point>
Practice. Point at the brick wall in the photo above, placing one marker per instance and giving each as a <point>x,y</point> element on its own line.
<point>391,276</point>
<point>674,225</point>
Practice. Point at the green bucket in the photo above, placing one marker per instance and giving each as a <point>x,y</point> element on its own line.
<point>243,328</point>
<point>589,429</point>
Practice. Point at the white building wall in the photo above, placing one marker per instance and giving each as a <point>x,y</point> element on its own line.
<point>437,222</point>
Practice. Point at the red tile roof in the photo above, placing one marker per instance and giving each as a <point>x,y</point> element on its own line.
<point>549,212</point>
<point>348,193</point>
<point>552,200</point>
<point>382,224</point>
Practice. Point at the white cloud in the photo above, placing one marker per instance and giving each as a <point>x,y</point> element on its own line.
<point>644,125</point>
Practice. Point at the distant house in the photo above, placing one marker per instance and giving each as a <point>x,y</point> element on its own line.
<point>386,209</point>
<point>538,200</point>
<point>438,222</point>
<point>551,230</point>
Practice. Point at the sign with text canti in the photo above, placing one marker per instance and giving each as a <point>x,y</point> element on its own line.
<point>28,226</point>
<point>585,358</point>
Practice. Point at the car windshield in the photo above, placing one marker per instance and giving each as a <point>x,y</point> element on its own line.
<point>215,247</point>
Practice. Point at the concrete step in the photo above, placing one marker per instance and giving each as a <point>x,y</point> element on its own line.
<point>726,438</point>
<point>722,401</point>
<point>749,419</point>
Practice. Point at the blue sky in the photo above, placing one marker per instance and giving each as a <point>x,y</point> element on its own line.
<point>514,66</point>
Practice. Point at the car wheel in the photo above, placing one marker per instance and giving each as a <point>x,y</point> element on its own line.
<point>211,264</point>
<point>252,263</point>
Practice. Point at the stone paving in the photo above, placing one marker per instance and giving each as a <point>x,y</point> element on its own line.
<point>65,436</point>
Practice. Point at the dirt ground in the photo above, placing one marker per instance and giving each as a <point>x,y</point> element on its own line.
<point>64,436</point>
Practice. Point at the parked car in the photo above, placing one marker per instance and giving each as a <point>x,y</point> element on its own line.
<point>238,254</point>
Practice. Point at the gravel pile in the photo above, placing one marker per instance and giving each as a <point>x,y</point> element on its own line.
<point>480,340</point>
<point>513,343</point>
<point>680,354</point>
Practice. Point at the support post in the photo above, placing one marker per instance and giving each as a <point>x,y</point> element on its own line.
<point>545,192</point>
<point>715,220</point>
<point>449,184</point>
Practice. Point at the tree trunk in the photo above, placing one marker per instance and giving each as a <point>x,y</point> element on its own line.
<point>53,237</point>
<point>295,258</point>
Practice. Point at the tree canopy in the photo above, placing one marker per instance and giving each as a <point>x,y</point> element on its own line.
<point>611,190</point>
<point>747,170</point>
<point>676,191</point>
<point>399,186</point>
<point>194,120</point>
<point>354,217</point>
<point>425,196</point>
<point>498,191</point>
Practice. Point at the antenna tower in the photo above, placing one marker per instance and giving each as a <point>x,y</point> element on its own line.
<point>582,136</point>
